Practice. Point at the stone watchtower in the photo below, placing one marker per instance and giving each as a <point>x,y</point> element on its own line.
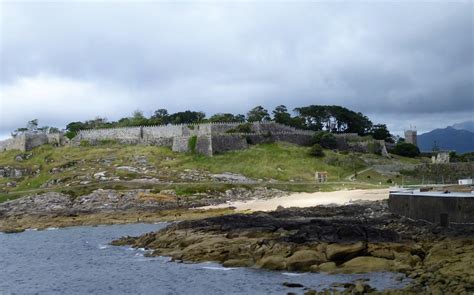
<point>410,136</point>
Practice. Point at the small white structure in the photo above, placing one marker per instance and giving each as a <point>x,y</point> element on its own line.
<point>321,176</point>
<point>466,181</point>
<point>442,157</point>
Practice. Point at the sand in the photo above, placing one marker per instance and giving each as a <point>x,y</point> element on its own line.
<point>307,200</point>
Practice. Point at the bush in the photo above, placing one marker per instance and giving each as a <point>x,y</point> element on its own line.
<point>241,128</point>
<point>85,143</point>
<point>192,142</point>
<point>316,150</point>
<point>325,139</point>
<point>406,149</point>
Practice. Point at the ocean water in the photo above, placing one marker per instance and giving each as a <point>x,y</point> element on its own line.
<point>79,260</point>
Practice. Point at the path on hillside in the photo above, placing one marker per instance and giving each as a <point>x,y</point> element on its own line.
<point>352,176</point>
<point>307,200</point>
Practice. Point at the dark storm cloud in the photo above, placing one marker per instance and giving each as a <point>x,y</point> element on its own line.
<point>72,61</point>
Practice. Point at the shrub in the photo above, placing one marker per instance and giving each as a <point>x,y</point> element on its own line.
<point>241,128</point>
<point>84,143</point>
<point>325,139</point>
<point>192,144</point>
<point>406,149</point>
<point>316,150</point>
<point>107,142</point>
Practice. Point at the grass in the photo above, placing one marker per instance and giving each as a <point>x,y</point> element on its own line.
<point>290,165</point>
<point>280,161</point>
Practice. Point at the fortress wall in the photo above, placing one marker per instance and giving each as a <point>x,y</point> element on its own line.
<point>152,132</point>
<point>219,128</point>
<point>181,144</point>
<point>122,135</point>
<point>299,139</point>
<point>204,145</point>
<point>228,142</point>
<point>14,143</point>
<point>34,140</point>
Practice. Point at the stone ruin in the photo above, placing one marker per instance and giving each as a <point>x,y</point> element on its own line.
<point>205,139</point>
<point>28,140</point>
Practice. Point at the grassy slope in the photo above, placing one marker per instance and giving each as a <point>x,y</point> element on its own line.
<point>282,162</point>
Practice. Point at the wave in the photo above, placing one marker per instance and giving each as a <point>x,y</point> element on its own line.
<point>292,274</point>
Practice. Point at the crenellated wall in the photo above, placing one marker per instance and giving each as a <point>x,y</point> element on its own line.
<point>211,137</point>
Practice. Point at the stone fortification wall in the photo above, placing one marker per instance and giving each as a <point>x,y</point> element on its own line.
<point>299,139</point>
<point>430,208</point>
<point>25,142</point>
<point>14,143</point>
<point>122,135</point>
<point>229,142</point>
<point>34,140</point>
<point>203,145</point>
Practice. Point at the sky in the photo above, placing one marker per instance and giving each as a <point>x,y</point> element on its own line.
<point>405,63</point>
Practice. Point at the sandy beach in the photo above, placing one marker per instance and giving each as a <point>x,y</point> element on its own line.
<point>307,200</point>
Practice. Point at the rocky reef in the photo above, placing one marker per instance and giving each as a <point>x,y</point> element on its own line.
<point>356,238</point>
<point>105,206</point>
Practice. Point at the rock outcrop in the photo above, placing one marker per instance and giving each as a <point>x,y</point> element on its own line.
<point>345,239</point>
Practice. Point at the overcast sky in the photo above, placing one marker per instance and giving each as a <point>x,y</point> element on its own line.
<point>399,63</point>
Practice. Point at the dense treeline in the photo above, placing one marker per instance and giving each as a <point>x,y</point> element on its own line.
<point>334,119</point>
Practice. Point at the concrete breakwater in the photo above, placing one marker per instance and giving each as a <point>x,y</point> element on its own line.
<point>435,207</point>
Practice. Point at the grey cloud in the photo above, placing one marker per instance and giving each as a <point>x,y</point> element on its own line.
<point>379,58</point>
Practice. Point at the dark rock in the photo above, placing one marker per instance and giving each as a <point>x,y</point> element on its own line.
<point>292,285</point>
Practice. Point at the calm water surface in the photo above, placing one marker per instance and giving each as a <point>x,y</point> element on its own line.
<point>78,260</point>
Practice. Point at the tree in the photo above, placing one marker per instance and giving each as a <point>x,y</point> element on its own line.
<point>281,115</point>
<point>380,132</point>
<point>160,117</point>
<point>325,139</point>
<point>72,129</point>
<point>226,117</point>
<point>316,150</point>
<point>406,149</point>
<point>187,117</point>
<point>335,119</point>
<point>138,119</point>
<point>258,114</point>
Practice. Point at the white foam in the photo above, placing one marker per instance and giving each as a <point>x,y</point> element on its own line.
<point>103,247</point>
<point>52,228</point>
<point>292,274</point>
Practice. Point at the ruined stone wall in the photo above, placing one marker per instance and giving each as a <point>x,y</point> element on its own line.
<point>130,135</point>
<point>299,139</point>
<point>203,146</point>
<point>34,140</point>
<point>228,142</point>
<point>458,209</point>
<point>14,143</point>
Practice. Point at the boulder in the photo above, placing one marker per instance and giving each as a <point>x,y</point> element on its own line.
<point>363,264</point>
<point>335,252</point>
<point>303,259</point>
<point>272,262</point>
<point>327,266</point>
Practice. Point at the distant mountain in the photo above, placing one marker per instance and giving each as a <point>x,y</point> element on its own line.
<point>449,138</point>
<point>467,125</point>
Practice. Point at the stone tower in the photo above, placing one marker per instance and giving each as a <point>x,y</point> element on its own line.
<point>410,136</point>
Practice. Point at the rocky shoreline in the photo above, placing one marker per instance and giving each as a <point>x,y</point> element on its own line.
<point>356,238</point>
<point>107,206</point>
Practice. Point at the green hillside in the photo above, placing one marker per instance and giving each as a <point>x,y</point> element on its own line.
<point>78,169</point>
